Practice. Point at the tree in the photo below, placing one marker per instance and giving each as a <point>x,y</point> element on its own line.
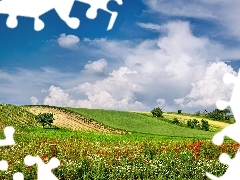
<point>219,115</point>
<point>45,119</point>
<point>197,113</point>
<point>205,125</point>
<point>179,111</point>
<point>157,112</point>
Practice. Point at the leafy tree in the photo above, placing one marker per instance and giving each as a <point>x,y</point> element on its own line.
<point>192,123</point>
<point>179,111</point>
<point>45,119</point>
<point>197,113</point>
<point>219,115</point>
<point>205,125</point>
<point>157,112</point>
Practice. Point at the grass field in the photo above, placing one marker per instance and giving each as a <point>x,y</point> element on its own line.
<point>154,149</point>
<point>135,122</point>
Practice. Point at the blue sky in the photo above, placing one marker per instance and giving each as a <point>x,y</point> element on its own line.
<point>171,54</point>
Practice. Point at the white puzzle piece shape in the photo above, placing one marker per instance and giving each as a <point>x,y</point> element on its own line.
<point>232,172</point>
<point>36,8</point>
<point>232,131</point>
<point>101,4</point>
<point>44,170</point>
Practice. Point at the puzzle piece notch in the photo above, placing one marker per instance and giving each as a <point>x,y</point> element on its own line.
<point>96,5</point>
<point>3,165</point>
<point>8,132</point>
<point>232,172</point>
<point>18,176</point>
<point>231,131</point>
<point>34,9</point>
<point>44,170</point>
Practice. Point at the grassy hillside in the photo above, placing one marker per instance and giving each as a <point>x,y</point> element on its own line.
<point>157,149</point>
<point>139,123</point>
<point>18,117</point>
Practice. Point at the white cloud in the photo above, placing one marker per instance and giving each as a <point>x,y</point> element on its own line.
<point>114,92</point>
<point>160,102</point>
<point>143,71</point>
<point>34,100</point>
<point>200,9</point>
<point>150,26</point>
<point>69,41</point>
<point>95,41</point>
<point>164,67</point>
<point>168,67</point>
<point>95,67</point>
<point>209,89</point>
<point>223,12</point>
<point>58,97</point>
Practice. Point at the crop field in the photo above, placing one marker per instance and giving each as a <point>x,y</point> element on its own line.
<point>114,145</point>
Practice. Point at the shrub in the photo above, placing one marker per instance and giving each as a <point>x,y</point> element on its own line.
<point>179,111</point>
<point>45,119</point>
<point>175,121</point>
<point>205,125</point>
<point>157,112</point>
<point>219,115</point>
<point>198,113</point>
<point>193,123</point>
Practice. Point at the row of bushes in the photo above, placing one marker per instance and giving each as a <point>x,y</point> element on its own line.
<point>157,112</point>
<point>194,124</point>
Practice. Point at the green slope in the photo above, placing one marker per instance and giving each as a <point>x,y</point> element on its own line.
<point>18,117</point>
<point>135,122</point>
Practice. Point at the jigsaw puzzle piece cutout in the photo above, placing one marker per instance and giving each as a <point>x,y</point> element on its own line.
<point>114,6</point>
<point>63,9</point>
<point>232,130</point>
<point>3,165</point>
<point>101,4</point>
<point>44,170</point>
<point>18,176</point>
<point>232,172</point>
<point>8,141</point>
<point>34,9</point>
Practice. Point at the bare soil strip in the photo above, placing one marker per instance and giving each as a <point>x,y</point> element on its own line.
<point>72,121</point>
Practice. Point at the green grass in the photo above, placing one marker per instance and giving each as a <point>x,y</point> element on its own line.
<point>156,150</point>
<point>18,117</point>
<point>139,123</point>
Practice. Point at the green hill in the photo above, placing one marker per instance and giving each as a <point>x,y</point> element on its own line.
<point>139,123</point>
<point>18,117</point>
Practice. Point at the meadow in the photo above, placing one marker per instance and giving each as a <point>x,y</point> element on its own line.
<point>148,148</point>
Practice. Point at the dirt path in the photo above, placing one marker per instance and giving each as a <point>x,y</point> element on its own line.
<point>70,120</point>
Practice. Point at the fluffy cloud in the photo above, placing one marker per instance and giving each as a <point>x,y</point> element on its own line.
<point>166,71</point>
<point>209,89</point>
<point>68,41</point>
<point>114,92</point>
<point>165,67</point>
<point>34,100</point>
<point>95,67</point>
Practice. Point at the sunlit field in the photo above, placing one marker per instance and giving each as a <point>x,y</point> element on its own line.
<point>149,148</point>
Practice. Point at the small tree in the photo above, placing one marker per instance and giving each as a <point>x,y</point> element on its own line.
<point>157,112</point>
<point>193,123</point>
<point>175,121</point>
<point>205,125</point>
<point>197,113</point>
<point>179,111</point>
<point>45,119</point>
